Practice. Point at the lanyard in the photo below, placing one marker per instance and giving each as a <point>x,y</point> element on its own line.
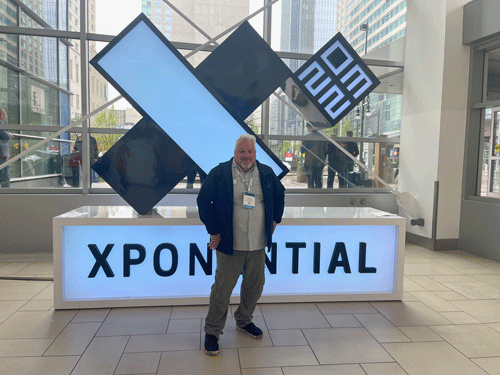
<point>249,186</point>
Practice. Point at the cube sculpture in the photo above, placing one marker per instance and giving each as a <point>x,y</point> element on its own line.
<point>330,84</point>
<point>194,116</point>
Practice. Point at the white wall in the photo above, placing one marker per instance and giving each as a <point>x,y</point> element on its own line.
<point>434,107</point>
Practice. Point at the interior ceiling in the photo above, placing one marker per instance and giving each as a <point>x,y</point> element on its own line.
<point>391,79</point>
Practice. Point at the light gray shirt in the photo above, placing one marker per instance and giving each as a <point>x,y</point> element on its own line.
<point>248,224</point>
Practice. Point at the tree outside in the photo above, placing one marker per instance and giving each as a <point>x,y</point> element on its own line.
<point>106,119</point>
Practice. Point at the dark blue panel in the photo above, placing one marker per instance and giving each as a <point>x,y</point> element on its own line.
<point>331,83</point>
<point>244,71</point>
<point>144,165</point>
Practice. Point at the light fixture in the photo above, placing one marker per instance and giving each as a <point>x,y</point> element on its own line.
<point>357,115</point>
<point>363,27</point>
<point>368,111</point>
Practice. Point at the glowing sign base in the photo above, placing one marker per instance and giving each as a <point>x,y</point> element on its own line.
<point>109,257</point>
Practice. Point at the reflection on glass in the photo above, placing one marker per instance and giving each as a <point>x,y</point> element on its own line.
<point>333,168</point>
<point>48,161</point>
<point>39,102</point>
<point>493,86</point>
<point>496,136</point>
<point>9,48</point>
<point>495,176</point>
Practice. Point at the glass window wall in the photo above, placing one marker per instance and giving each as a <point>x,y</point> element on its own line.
<point>51,95</point>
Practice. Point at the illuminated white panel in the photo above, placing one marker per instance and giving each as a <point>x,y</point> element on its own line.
<point>144,283</point>
<point>362,76</point>
<point>316,77</point>
<point>149,72</point>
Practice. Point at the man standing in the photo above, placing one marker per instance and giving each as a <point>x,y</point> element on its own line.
<point>332,164</point>
<point>5,137</point>
<point>314,162</point>
<point>345,164</point>
<point>240,202</point>
<point>93,155</point>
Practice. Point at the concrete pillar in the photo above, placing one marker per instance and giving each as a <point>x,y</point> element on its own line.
<point>434,114</point>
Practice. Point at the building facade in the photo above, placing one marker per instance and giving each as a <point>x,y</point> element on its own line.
<point>385,20</point>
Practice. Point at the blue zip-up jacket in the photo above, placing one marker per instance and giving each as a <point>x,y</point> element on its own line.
<point>216,202</point>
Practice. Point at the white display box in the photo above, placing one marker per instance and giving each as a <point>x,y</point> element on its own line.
<point>113,257</point>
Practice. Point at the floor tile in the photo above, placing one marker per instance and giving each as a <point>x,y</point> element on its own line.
<point>486,311</point>
<point>22,291</point>
<point>135,321</point>
<point>419,269</point>
<point>475,290</point>
<point>184,325</point>
<point>383,369</point>
<point>450,296</point>
<point>276,356</point>
<point>493,280</point>
<point>24,347</point>
<point>345,345</point>
<point>37,268</point>
<point>420,333</point>
<point>428,283</point>
<point>262,371</point>
<point>412,286</point>
<point>490,365</point>
<point>47,293</point>
<point>343,321</point>
<point>163,343</point>
<point>432,358</point>
<point>13,268</point>
<point>38,365</point>
<point>35,324</point>
<point>334,308</point>
<point>479,271</point>
<point>407,297</point>
<point>287,337</point>
<point>101,356</point>
<point>191,312</point>
<point>74,339</point>
<point>138,363</point>
<point>7,308</point>
<point>453,279</point>
<point>38,305</point>
<point>495,326</point>
<point>293,316</point>
<point>434,302</point>
<point>324,370</point>
<point>444,270</point>
<point>380,328</point>
<point>197,362</point>
<point>91,315</point>
<point>409,314</point>
<point>475,340</point>
<point>460,318</point>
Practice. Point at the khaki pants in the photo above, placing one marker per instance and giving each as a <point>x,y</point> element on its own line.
<point>229,268</point>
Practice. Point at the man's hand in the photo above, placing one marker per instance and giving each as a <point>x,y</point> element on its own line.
<point>274,226</point>
<point>214,241</point>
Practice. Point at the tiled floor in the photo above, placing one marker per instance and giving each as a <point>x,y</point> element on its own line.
<point>448,323</point>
